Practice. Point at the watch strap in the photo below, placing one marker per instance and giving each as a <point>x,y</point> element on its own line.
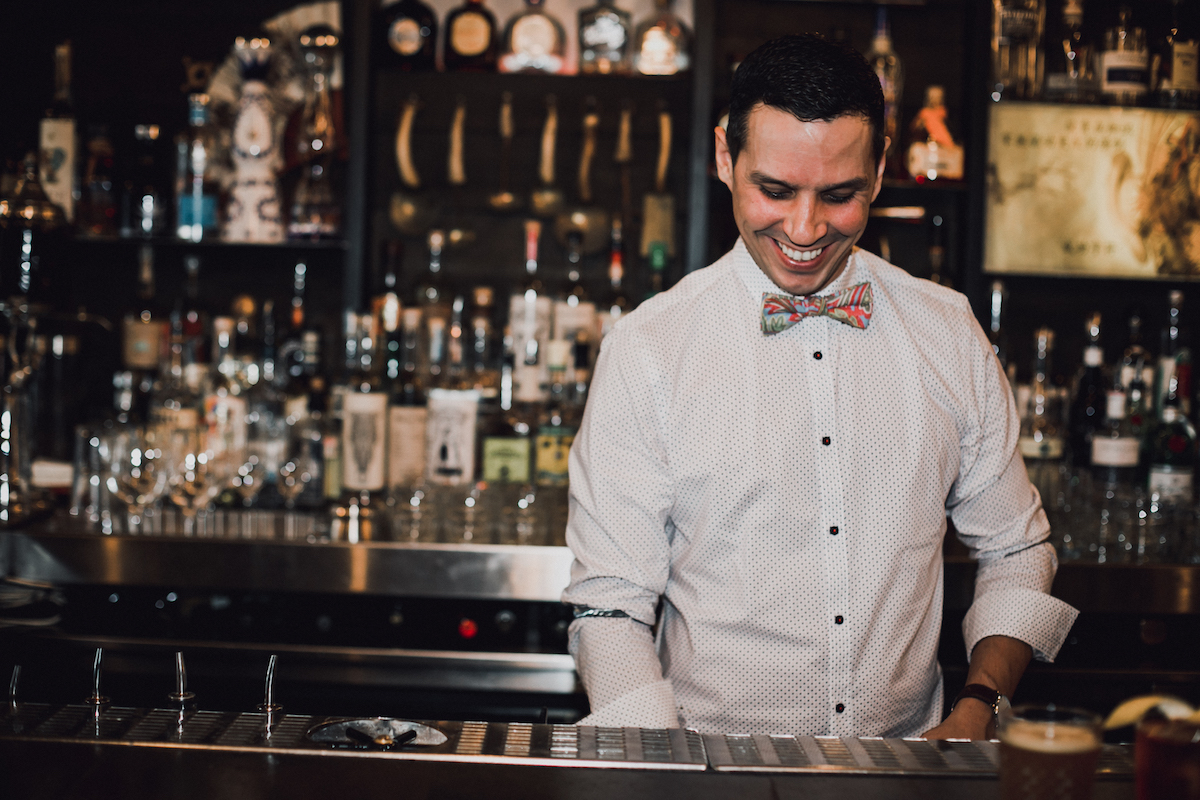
<point>978,691</point>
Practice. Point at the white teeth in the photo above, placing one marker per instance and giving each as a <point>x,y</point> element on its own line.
<point>799,255</point>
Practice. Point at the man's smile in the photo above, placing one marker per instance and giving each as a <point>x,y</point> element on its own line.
<point>801,256</point>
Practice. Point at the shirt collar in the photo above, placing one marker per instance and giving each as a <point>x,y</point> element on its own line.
<point>756,281</point>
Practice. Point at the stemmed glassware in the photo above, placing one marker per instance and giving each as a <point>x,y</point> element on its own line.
<point>198,473</point>
<point>300,468</point>
<point>138,472</point>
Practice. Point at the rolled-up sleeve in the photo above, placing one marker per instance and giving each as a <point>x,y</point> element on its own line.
<point>620,499</point>
<point>999,517</point>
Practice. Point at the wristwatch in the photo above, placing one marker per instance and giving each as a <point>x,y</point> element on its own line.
<point>984,694</point>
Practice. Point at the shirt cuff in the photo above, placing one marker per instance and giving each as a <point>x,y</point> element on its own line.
<point>651,705</point>
<point>1030,616</point>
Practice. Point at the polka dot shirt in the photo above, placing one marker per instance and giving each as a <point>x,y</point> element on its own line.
<point>776,506</point>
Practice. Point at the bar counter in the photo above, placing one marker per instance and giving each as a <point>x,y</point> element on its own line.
<point>120,753</point>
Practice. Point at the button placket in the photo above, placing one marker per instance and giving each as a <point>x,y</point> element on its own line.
<point>822,393</point>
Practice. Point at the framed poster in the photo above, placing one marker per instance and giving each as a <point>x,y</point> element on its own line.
<point>1093,191</point>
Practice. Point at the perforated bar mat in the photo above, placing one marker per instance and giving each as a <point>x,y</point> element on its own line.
<point>737,753</point>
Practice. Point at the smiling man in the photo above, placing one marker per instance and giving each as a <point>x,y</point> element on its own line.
<point>760,486</point>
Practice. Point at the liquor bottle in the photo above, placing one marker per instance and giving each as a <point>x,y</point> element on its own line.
<point>254,210</point>
<point>1125,62</point>
<point>470,43</point>
<point>1040,437</point>
<point>658,267</point>
<point>143,207</point>
<point>1171,452</point>
<point>1175,357</point>
<point>450,437</point>
<point>533,41</point>
<point>997,333</point>
<point>1136,359</point>
<point>225,406</point>
<point>1088,401</point>
<point>1070,72</point>
<point>316,212</point>
<point>617,303</point>
<point>144,332</point>
<point>604,39</point>
<point>196,182</point>
<point>364,418</point>
<point>58,139</point>
<point>932,153</point>
<point>662,43</point>
<point>484,373</point>
<point>1017,59</point>
<point>1116,454</point>
<point>175,404</point>
<point>407,31</point>
<point>97,206</point>
<point>883,59</point>
<point>407,413</point>
<point>1177,84</point>
<point>529,315</point>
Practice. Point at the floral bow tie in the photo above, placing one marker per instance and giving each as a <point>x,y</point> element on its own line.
<point>851,306</point>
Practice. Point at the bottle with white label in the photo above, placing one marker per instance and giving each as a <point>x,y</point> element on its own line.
<point>534,41</point>
<point>450,436</point>
<point>364,440</point>
<point>1115,456</point>
<point>1125,62</point>
<point>225,403</point>
<point>1177,83</point>
<point>58,139</point>
<point>406,407</point>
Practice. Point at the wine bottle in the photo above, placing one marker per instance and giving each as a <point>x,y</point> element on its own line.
<point>1088,402</point>
<point>58,139</point>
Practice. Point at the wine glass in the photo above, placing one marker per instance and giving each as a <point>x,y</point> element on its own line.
<point>198,474</point>
<point>138,472</point>
<point>299,470</point>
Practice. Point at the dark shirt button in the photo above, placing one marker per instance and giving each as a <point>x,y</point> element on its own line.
<point>834,530</point>
<point>817,355</point>
<point>825,440</point>
<point>838,619</point>
<point>839,708</point>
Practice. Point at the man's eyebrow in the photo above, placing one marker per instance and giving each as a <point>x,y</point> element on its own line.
<point>854,184</point>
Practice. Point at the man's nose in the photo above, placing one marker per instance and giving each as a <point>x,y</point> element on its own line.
<point>805,224</point>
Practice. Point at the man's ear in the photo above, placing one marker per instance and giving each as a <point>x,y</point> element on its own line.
<point>724,158</point>
<point>887,142</point>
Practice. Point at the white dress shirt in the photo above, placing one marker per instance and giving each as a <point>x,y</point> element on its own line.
<point>784,498</point>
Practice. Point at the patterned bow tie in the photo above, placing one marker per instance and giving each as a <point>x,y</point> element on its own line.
<point>851,306</point>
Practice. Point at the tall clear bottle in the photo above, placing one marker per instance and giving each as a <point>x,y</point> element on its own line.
<point>407,421</point>
<point>1017,57</point>
<point>197,186</point>
<point>1089,399</point>
<point>364,439</point>
<point>883,59</point>
<point>529,316</point>
<point>1070,68</point>
<point>316,211</point>
<point>1116,495</point>
<point>1175,356</point>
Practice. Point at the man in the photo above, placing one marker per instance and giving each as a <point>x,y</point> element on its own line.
<point>759,497</point>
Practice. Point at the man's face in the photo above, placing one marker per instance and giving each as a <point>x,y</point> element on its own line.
<point>801,191</point>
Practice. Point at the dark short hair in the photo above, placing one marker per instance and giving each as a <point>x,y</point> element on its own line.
<point>811,79</point>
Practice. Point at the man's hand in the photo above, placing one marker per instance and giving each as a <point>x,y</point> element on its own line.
<point>998,662</point>
<point>970,719</point>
